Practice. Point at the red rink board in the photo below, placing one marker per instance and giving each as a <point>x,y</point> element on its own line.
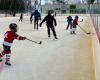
<point>98,33</point>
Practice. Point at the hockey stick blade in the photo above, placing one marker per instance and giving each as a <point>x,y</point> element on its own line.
<point>85,31</point>
<point>40,42</point>
<point>91,33</point>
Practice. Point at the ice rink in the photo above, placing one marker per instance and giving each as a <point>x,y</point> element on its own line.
<point>67,58</point>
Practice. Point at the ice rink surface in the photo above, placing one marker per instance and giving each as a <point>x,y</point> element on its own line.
<point>68,58</point>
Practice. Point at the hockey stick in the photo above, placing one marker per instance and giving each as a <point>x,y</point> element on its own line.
<point>34,41</point>
<point>84,30</point>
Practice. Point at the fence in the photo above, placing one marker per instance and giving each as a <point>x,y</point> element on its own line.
<point>95,15</point>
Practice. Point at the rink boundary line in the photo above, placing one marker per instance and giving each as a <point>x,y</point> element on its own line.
<point>92,27</point>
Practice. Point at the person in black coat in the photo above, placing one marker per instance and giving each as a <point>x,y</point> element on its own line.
<point>49,22</point>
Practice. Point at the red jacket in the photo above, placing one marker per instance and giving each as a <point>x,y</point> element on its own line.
<point>75,23</point>
<point>10,36</point>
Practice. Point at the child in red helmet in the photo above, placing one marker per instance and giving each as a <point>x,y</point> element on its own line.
<point>8,40</point>
<point>74,25</point>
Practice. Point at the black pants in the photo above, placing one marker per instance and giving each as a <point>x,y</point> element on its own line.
<point>36,23</point>
<point>69,24</point>
<point>7,49</point>
<point>21,19</point>
<point>53,30</point>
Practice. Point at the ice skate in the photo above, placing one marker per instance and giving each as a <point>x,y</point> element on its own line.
<point>49,36</point>
<point>56,38</point>
<point>7,63</point>
<point>0,60</point>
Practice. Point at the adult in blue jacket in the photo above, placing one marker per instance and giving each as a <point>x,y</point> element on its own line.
<point>37,17</point>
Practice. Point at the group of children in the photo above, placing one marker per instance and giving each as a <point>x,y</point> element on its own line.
<point>72,23</point>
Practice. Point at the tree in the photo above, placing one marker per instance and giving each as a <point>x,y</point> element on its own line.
<point>90,1</point>
<point>12,5</point>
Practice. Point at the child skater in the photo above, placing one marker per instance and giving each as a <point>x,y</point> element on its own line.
<point>31,19</point>
<point>8,40</point>
<point>21,17</point>
<point>69,21</point>
<point>74,25</point>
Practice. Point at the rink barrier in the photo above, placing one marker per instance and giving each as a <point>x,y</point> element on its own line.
<point>95,51</point>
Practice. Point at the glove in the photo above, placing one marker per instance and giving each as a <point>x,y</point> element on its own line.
<point>40,25</point>
<point>40,18</point>
<point>23,38</point>
<point>55,24</point>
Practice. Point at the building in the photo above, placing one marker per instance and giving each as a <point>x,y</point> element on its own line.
<point>65,8</point>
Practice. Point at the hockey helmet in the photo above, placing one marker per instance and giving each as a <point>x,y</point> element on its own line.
<point>76,17</point>
<point>13,27</point>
